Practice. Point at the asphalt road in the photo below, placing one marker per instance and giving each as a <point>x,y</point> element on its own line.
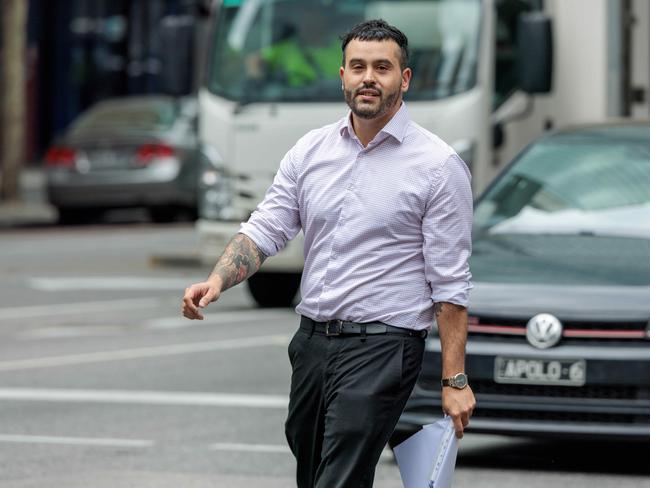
<point>103,384</point>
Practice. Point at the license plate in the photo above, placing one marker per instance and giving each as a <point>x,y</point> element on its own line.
<point>108,159</point>
<point>569,372</point>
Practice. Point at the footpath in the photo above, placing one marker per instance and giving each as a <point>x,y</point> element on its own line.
<point>32,209</point>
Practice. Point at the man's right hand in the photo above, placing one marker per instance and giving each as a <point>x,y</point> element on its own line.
<point>240,259</point>
<point>198,296</point>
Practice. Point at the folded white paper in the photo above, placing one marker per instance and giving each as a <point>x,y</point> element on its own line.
<point>427,458</point>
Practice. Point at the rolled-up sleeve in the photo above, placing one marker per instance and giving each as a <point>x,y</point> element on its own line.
<point>277,219</point>
<point>447,231</point>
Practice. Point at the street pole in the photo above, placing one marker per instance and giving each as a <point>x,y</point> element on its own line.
<point>12,95</point>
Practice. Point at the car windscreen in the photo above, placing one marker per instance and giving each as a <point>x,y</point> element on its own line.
<point>127,115</point>
<point>573,209</point>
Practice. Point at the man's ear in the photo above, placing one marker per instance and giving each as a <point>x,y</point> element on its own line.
<point>341,73</point>
<point>406,79</point>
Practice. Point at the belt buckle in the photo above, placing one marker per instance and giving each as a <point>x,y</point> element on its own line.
<point>333,327</point>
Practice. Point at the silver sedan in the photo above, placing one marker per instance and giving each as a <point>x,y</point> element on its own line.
<point>127,152</point>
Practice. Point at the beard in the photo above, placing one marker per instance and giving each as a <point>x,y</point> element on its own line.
<point>364,111</point>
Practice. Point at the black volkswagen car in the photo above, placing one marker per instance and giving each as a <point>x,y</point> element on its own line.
<point>559,320</point>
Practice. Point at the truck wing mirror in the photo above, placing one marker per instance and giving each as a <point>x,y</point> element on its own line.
<point>534,53</point>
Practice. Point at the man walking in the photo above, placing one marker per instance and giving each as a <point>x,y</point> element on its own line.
<point>386,210</point>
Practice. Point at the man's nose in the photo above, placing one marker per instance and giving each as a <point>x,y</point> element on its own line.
<point>369,76</point>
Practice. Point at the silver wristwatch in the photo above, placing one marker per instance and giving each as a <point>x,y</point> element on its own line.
<point>458,381</point>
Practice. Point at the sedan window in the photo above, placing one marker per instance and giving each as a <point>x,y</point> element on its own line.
<point>138,116</point>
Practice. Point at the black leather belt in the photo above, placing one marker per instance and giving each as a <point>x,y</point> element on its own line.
<point>336,327</point>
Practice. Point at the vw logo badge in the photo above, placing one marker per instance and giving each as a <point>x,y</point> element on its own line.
<point>544,331</point>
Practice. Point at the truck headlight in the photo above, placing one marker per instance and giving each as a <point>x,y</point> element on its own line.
<point>215,194</point>
<point>209,178</point>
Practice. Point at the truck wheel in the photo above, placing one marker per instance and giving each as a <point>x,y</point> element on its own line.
<point>163,214</point>
<point>274,289</point>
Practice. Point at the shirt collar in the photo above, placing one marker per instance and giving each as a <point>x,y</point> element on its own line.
<point>395,127</point>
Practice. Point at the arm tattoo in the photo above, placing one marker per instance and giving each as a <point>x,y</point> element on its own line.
<point>239,260</point>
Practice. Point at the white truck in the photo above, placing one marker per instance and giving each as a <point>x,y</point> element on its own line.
<point>479,66</point>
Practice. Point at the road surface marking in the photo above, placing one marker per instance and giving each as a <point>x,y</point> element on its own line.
<point>222,318</point>
<point>268,448</point>
<point>111,283</point>
<point>144,352</point>
<point>265,448</point>
<point>142,443</point>
<point>75,441</point>
<point>163,323</point>
<point>69,331</point>
<point>145,397</point>
<point>79,308</point>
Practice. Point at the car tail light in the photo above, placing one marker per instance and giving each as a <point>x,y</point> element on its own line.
<point>148,152</point>
<point>60,156</point>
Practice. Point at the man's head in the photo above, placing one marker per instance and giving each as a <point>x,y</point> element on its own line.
<point>378,30</point>
<point>374,73</point>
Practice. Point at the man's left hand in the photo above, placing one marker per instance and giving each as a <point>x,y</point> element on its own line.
<point>459,405</point>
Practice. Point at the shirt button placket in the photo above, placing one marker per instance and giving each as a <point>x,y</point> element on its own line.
<point>334,254</point>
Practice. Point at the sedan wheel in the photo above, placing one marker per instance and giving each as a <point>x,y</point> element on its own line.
<point>72,216</point>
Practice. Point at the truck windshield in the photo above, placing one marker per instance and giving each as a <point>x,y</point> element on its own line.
<point>290,50</point>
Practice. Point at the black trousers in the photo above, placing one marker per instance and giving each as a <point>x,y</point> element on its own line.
<point>346,397</point>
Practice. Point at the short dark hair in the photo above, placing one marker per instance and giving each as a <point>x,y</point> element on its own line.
<point>378,30</point>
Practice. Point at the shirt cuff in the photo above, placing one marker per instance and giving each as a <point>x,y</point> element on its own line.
<point>266,245</point>
<point>458,295</point>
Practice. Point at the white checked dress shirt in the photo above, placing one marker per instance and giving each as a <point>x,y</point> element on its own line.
<point>387,227</point>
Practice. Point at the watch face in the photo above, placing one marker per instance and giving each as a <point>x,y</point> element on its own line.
<point>460,380</point>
